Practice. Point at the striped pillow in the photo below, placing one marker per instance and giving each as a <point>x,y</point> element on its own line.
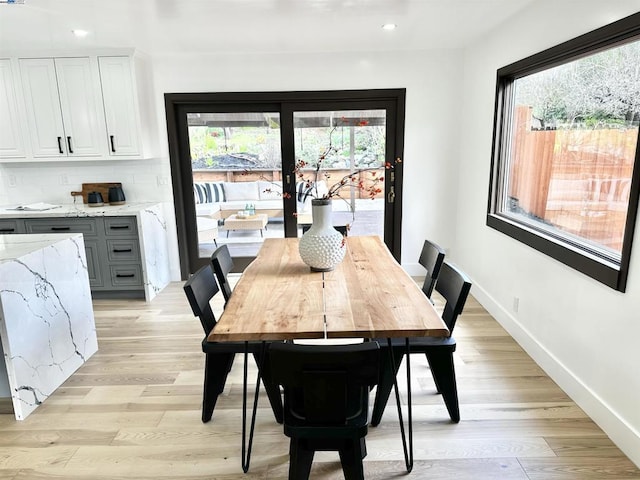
<point>199,193</point>
<point>303,192</point>
<point>217,192</point>
<point>209,192</point>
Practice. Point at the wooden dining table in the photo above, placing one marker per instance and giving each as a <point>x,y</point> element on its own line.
<point>368,295</point>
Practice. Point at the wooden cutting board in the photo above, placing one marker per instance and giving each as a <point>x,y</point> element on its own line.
<point>102,188</point>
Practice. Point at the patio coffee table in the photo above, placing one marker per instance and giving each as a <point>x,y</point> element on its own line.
<point>253,222</point>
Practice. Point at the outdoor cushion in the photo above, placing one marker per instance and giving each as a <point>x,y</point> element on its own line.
<point>259,205</point>
<point>241,191</point>
<point>207,209</point>
<point>269,190</point>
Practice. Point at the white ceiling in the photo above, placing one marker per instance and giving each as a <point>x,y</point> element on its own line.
<point>241,26</point>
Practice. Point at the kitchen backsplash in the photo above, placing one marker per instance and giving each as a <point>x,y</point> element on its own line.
<point>142,180</point>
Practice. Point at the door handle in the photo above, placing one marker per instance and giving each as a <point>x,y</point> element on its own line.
<point>69,144</point>
<point>391,196</point>
<point>113,147</point>
<point>60,145</point>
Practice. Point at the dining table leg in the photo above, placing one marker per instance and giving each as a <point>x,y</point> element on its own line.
<point>407,445</point>
<point>247,445</point>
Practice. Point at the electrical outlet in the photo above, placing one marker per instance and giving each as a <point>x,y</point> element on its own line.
<point>64,180</point>
<point>516,304</point>
<point>13,181</point>
<point>162,180</point>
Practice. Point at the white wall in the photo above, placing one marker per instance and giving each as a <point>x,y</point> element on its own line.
<point>585,335</point>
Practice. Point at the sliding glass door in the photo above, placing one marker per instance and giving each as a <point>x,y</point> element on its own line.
<point>342,151</point>
<point>242,165</point>
<point>236,167</point>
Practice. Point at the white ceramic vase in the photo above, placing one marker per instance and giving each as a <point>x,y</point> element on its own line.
<point>322,247</point>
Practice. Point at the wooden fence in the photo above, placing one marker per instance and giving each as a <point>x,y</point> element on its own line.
<point>577,180</point>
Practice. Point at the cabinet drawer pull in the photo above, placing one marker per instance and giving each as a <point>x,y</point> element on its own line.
<point>69,143</point>
<point>113,146</point>
<point>7,230</point>
<point>60,229</point>
<point>60,145</point>
<point>119,227</point>
<point>125,275</point>
<point>121,250</point>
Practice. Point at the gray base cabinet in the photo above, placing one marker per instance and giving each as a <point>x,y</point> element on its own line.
<point>11,225</point>
<point>112,249</point>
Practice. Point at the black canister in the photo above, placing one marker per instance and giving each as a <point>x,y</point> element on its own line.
<point>116,196</point>
<point>94,199</point>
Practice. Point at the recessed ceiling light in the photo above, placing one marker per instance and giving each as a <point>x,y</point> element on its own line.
<point>80,33</point>
<point>389,26</point>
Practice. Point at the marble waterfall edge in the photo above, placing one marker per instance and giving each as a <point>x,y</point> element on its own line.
<point>153,243</point>
<point>46,314</point>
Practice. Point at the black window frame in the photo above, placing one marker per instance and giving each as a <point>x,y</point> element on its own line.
<point>573,254</point>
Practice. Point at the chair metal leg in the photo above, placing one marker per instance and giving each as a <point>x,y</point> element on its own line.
<point>300,459</point>
<point>351,456</point>
<point>443,371</point>
<point>216,369</point>
<point>385,385</point>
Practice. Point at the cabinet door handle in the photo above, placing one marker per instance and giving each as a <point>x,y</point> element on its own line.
<point>113,146</point>
<point>119,227</point>
<point>121,250</point>
<point>69,144</point>
<point>60,145</point>
<point>125,275</point>
<point>3,230</point>
<point>60,229</point>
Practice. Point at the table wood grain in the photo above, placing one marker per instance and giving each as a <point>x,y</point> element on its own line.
<point>368,295</point>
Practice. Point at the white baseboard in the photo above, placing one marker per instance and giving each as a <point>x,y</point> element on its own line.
<point>620,432</point>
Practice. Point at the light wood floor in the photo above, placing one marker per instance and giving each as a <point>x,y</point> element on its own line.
<point>133,412</point>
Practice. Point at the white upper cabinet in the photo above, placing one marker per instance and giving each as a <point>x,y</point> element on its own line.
<point>11,141</point>
<point>77,107</point>
<point>63,108</point>
<point>121,114</point>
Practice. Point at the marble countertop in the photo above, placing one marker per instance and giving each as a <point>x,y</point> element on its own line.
<point>47,326</point>
<point>77,210</point>
<point>16,246</point>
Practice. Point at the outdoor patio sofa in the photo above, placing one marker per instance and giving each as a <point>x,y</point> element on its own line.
<point>218,200</point>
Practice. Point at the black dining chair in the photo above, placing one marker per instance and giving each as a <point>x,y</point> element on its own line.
<point>222,264</point>
<point>431,258</point>
<point>454,286</point>
<point>200,289</point>
<point>326,401</point>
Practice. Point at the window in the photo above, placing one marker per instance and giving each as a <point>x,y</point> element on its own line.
<point>565,167</point>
